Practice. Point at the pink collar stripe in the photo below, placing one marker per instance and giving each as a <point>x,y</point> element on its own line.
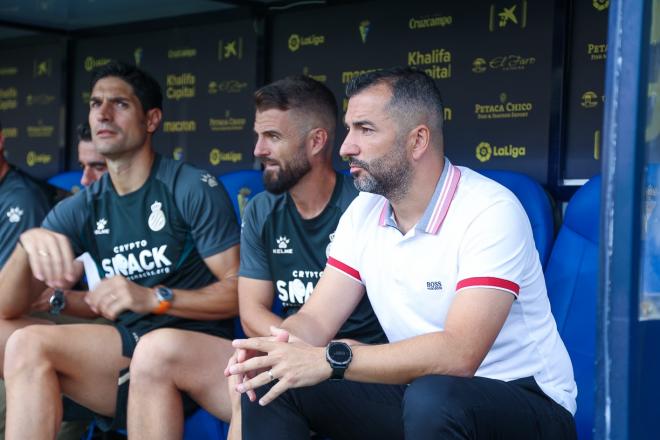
<point>444,201</point>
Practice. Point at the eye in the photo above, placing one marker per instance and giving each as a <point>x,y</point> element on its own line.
<point>366,130</point>
<point>122,104</point>
<point>93,104</point>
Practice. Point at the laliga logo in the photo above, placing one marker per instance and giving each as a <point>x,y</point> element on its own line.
<point>484,151</point>
<point>601,5</point>
<point>157,217</point>
<point>294,42</point>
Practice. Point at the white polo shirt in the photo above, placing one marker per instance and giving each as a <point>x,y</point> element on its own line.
<point>474,233</point>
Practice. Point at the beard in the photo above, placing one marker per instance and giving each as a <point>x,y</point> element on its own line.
<point>288,174</point>
<point>388,175</point>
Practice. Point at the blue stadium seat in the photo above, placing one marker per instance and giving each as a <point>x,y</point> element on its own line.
<point>572,280</point>
<point>68,181</point>
<point>200,425</point>
<point>242,186</point>
<point>536,203</point>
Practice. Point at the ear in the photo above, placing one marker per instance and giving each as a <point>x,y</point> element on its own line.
<point>420,141</point>
<point>317,139</point>
<point>153,118</point>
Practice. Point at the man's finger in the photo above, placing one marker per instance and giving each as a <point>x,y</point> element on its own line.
<point>255,363</point>
<point>263,344</point>
<point>256,382</point>
<point>274,393</point>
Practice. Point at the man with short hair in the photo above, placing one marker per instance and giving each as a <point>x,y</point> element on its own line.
<point>163,238</point>
<point>448,260</point>
<point>91,161</point>
<point>286,233</point>
<point>23,203</point>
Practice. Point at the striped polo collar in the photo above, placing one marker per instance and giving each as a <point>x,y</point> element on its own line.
<point>436,211</point>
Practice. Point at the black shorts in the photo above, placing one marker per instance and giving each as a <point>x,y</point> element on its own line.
<point>76,412</point>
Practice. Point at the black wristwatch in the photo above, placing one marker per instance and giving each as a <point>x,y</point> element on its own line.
<point>339,355</point>
<point>57,302</point>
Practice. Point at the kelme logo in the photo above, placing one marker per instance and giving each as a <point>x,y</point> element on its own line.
<point>14,214</point>
<point>484,151</point>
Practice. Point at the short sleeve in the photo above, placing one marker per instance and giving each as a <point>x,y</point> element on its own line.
<point>345,249</point>
<point>495,251</point>
<point>254,263</point>
<point>207,209</point>
<point>20,211</point>
<point>68,218</point>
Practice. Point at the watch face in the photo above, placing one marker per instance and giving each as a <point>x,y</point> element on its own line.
<point>165,294</point>
<point>340,353</point>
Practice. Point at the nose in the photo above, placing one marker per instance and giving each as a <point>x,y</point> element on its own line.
<point>87,177</point>
<point>261,148</point>
<point>349,147</point>
<point>103,111</point>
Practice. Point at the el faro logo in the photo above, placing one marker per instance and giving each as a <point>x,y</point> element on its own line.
<point>485,151</point>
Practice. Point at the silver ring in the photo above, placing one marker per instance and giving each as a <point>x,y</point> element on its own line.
<point>43,253</point>
<point>270,374</point>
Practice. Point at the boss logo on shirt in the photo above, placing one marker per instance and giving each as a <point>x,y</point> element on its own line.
<point>434,285</point>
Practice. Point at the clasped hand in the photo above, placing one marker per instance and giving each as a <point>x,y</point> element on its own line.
<point>259,361</point>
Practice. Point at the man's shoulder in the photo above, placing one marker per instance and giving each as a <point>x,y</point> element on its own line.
<point>177,174</point>
<point>19,185</point>
<point>479,190</point>
<point>346,191</point>
<point>262,205</point>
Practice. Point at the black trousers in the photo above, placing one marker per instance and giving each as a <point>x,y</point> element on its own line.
<point>432,407</point>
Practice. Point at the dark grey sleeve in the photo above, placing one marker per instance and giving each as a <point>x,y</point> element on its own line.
<point>68,218</point>
<point>206,208</point>
<point>20,211</point>
<point>254,263</point>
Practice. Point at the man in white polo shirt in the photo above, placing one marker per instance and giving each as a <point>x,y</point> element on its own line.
<point>449,262</point>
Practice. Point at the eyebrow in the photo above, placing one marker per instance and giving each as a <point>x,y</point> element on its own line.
<point>359,123</point>
<point>92,164</point>
<point>111,99</point>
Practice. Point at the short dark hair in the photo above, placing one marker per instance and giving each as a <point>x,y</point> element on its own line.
<point>414,93</point>
<point>145,87</point>
<point>84,132</point>
<point>300,92</point>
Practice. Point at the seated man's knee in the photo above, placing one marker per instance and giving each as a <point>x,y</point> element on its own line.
<point>26,349</point>
<point>155,355</point>
<point>433,406</point>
